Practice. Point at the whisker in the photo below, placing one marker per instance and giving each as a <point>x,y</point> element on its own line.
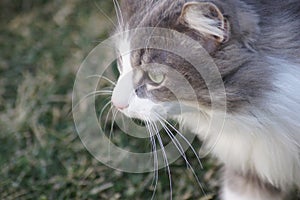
<point>97,93</point>
<point>123,121</point>
<point>174,140</point>
<point>105,15</point>
<point>103,77</point>
<point>155,161</point>
<point>106,119</point>
<point>165,158</point>
<point>184,138</point>
<point>102,110</point>
<point>114,113</point>
<point>178,146</point>
<point>183,155</point>
<point>118,13</point>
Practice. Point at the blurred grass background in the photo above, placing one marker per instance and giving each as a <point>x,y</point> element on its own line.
<point>42,44</point>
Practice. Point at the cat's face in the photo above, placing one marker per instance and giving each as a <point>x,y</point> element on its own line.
<point>152,81</point>
<point>134,93</point>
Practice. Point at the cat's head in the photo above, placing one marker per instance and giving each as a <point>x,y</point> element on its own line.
<point>146,75</point>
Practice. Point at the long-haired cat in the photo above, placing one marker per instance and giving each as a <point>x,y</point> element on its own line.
<point>256,46</point>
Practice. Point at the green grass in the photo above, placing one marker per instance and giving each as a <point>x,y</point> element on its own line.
<point>42,44</point>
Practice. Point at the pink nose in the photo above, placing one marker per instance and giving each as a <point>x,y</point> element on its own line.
<point>120,107</point>
<point>122,92</point>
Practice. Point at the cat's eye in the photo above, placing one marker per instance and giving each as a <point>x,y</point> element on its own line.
<point>156,78</point>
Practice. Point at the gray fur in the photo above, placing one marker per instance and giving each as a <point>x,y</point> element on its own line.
<point>255,34</point>
<point>241,184</point>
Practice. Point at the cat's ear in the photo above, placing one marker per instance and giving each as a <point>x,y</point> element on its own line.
<point>207,19</point>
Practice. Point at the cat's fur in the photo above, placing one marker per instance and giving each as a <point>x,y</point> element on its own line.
<point>256,47</point>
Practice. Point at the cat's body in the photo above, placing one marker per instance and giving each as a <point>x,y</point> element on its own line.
<point>256,47</point>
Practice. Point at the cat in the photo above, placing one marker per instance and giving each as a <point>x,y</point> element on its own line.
<point>256,47</point>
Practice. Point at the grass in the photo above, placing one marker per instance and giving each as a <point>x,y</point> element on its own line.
<point>42,45</point>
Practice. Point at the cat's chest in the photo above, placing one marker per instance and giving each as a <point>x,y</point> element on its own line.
<point>244,145</point>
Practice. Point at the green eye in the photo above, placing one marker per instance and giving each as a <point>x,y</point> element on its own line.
<point>156,78</point>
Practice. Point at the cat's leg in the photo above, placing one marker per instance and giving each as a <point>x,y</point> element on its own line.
<point>239,187</point>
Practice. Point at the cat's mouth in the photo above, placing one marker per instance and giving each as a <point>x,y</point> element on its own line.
<point>143,109</point>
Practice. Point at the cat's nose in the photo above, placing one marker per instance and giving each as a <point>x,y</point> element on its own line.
<point>123,91</point>
<point>119,106</point>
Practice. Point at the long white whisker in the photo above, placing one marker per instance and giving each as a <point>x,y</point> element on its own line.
<point>155,161</point>
<point>118,13</point>
<point>102,77</point>
<point>178,146</point>
<point>123,121</point>
<point>183,155</point>
<point>182,136</point>
<point>103,109</point>
<point>174,140</point>
<point>105,15</point>
<point>172,137</point>
<point>97,93</point>
<point>165,159</point>
<point>106,119</point>
<point>114,113</point>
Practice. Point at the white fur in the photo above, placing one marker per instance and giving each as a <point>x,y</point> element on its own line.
<point>124,86</point>
<point>124,48</point>
<point>141,108</point>
<point>229,195</point>
<point>248,194</point>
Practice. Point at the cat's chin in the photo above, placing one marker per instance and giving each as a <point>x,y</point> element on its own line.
<point>144,109</point>
<point>145,116</point>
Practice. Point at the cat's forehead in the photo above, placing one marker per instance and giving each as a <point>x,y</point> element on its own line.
<point>161,13</point>
<point>148,60</point>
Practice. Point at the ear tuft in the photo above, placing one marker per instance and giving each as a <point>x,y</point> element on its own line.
<point>207,19</point>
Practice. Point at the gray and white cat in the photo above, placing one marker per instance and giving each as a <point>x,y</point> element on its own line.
<point>256,46</point>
